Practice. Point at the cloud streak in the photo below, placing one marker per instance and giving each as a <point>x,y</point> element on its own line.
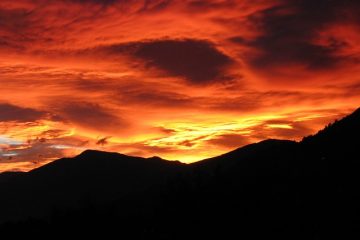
<point>9,112</point>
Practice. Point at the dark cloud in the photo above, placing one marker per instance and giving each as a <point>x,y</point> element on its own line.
<point>53,133</point>
<point>103,2</point>
<point>144,5</point>
<point>252,101</point>
<point>197,61</point>
<point>153,97</point>
<point>9,112</point>
<point>191,142</point>
<point>103,141</point>
<point>153,6</point>
<point>12,19</point>
<point>47,136</point>
<point>289,30</point>
<point>352,89</point>
<point>230,140</point>
<point>206,5</point>
<point>90,115</point>
<point>12,23</point>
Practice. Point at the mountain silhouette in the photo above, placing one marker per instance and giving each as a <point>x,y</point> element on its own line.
<point>275,188</point>
<point>92,176</point>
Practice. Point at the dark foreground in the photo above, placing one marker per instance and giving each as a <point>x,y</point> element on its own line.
<point>282,189</point>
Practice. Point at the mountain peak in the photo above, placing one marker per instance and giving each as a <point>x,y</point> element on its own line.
<point>357,112</point>
<point>343,133</point>
<point>155,158</point>
<point>91,153</point>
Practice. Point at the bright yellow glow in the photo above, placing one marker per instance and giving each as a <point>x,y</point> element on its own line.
<point>284,126</point>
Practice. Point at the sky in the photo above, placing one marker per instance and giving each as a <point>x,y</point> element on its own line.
<point>180,79</point>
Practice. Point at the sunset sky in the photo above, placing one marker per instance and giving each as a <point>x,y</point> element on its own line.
<point>180,79</point>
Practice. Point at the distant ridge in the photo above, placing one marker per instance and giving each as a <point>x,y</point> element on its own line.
<point>347,129</point>
<point>277,188</point>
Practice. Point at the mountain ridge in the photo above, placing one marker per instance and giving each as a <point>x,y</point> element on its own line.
<point>274,185</point>
<point>355,115</point>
